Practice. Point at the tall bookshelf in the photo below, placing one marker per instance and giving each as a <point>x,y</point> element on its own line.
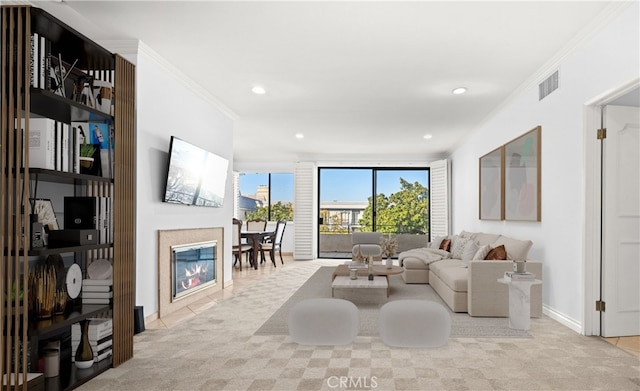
<point>23,99</point>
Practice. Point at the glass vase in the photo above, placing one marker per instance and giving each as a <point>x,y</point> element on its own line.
<point>389,262</point>
<point>84,354</point>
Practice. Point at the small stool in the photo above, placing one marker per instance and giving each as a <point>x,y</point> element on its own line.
<point>323,321</point>
<point>414,324</point>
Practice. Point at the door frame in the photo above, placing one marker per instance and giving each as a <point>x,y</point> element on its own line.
<point>592,233</point>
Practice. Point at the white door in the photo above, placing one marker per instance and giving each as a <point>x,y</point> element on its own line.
<point>621,222</point>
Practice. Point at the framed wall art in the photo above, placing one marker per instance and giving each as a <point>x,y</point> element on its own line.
<point>522,177</point>
<point>491,195</point>
<point>44,209</point>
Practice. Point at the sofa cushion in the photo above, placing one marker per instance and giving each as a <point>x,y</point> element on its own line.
<point>414,263</point>
<point>497,254</point>
<point>466,234</point>
<point>435,242</point>
<point>483,238</point>
<point>516,249</point>
<point>470,249</point>
<point>451,272</point>
<point>457,247</point>
<point>481,253</point>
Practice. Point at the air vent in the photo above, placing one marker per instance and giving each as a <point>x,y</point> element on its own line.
<point>549,85</point>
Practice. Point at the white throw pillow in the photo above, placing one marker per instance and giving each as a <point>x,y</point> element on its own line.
<point>457,246</point>
<point>481,253</point>
<point>470,249</point>
<point>435,243</point>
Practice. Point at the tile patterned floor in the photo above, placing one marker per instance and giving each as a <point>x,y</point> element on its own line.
<point>212,346</point>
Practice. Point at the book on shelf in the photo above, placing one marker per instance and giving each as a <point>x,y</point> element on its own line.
<point>526,276</point>
<point>101,350</point>
<point>89,282</point>
<point>42,142</point>
<point>95,301</point>
<point>96,288</point>
<point>96,295</point>
<point>99,328</point>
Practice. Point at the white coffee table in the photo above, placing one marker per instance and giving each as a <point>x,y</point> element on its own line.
<point>362,282</point>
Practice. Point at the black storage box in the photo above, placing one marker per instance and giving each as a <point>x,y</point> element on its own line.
<point>72,237</point>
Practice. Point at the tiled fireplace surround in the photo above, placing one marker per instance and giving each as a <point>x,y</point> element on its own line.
<point>168,238</point>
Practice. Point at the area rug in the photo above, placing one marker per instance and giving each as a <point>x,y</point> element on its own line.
<point>319,285</point>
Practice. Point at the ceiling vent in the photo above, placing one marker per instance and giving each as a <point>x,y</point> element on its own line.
<point>548,85</point>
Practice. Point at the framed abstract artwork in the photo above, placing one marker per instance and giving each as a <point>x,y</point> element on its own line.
<point>522,177</point>
<point>491,185</point>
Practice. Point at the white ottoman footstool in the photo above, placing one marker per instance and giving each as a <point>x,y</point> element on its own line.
<point>414,324</point>
<point>323,321</point>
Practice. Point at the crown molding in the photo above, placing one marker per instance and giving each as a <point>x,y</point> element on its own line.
<point>185,80</point>
<point>603,19</point>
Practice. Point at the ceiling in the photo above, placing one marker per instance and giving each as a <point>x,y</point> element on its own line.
<point>359,80</point>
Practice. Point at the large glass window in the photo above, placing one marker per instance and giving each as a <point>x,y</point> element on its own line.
<point>388,200</point>
<point>266,196</point>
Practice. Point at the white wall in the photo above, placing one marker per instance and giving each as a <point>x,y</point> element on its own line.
<point>604,61</point>
<point>166,107</point>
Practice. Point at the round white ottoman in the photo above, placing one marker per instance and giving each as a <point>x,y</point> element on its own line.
<point>414,324</point>
<point>323,321</point>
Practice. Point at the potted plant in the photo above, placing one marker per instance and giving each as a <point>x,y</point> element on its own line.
<point>86,156</point>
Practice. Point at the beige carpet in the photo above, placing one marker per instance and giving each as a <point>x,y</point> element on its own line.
<point>218,349</point>
<point>319,285</point>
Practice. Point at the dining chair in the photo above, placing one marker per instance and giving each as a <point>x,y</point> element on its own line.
<point>237,246</point>
<point>275,243</point>
<point>256,225</point>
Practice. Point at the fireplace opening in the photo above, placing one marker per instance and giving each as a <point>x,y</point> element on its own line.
<point>193,268</point>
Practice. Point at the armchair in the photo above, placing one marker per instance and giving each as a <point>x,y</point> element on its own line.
<point>367,244</point>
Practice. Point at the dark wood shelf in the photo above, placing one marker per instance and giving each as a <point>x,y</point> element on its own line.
<point>59,250</point>
<point>41,174</point>
<point>77,376</point>
<point>50,105</point>
<point>46,328</point>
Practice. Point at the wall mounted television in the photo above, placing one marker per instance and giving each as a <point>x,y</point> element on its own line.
<point>194,176</point>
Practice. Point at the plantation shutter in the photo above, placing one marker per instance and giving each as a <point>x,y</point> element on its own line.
<point>304,211</point>
<point>236,195</point>
<point>440,195</point>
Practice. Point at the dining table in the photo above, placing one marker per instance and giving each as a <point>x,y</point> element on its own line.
<point>254,238</point>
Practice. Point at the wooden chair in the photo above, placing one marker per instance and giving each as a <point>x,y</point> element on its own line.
<point>275,243</point>
<point>237,247</point>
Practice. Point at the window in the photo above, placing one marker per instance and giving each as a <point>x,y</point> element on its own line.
<point>266,196</point>
<point>388,200</point>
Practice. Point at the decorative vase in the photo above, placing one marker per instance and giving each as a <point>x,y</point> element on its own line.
<point>370,260</point>
<point>84,354</point>
<point>353,273</point>
<point>389,262</point>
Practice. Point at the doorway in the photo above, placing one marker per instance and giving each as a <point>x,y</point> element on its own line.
<point>612,233</point>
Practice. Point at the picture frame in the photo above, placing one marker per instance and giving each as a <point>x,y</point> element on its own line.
<point>522,176</point>
<point>491,185</point>
<point>43,208</point>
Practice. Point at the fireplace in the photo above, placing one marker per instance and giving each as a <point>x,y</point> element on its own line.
<point>193,268</point>
<point>198,284</point>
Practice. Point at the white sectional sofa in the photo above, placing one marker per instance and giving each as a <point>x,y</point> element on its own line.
<point>469,285</point>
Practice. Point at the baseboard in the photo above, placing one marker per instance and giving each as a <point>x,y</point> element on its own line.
<point>562,319</point>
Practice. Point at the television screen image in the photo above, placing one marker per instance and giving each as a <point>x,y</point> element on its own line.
<point>195,176</point>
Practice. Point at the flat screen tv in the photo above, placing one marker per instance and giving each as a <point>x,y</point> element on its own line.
<point>195,176</point>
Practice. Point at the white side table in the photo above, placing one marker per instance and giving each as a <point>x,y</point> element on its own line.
<point>519,302</point>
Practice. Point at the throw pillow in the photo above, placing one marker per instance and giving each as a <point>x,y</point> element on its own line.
<point>497,254</point>
<point>469,251</point>
<point>435,243</point>
<point>482,252</point>
<point>457,247</point>
<point>445,245</point>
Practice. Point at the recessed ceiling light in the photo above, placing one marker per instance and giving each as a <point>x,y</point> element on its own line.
<point>427,136</point>
<point>299,135</point>
<point>459,90</point>
<point>259,90</point>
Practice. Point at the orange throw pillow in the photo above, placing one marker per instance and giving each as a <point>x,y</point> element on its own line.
<point>497,254</point>
<point>445,245</point>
